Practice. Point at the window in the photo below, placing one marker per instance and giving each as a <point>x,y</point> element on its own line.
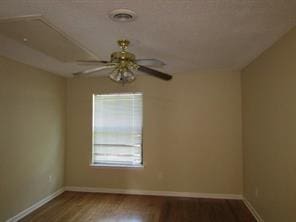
<point>117,130</point>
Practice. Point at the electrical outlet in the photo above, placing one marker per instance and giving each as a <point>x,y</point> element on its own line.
<point>256,192</point>
<point>160,176</point>
<point>50,178</point>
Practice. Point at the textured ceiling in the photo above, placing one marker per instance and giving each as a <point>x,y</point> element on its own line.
<point>186,35</point>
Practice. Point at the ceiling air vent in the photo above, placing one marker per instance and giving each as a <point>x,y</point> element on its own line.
<point>122,15</point>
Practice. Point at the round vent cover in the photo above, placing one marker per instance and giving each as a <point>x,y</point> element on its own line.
<point>122,15</point>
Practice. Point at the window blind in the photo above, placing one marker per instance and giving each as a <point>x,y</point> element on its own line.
<point>117,130</point>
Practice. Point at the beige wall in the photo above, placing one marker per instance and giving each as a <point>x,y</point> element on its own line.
<point>269,120</point>
<point>32,132</point>
<point>192,134</point>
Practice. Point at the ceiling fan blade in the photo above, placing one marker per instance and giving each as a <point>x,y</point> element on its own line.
<point>92,62</point>
<point>90,71</point>
<point>150,62</point>
<point>155,73</point>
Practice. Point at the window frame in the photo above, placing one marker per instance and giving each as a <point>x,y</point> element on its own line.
<point>119,166</point>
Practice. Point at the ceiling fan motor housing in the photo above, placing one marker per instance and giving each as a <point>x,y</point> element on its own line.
<point>122,56</point>
<point>125,61</point>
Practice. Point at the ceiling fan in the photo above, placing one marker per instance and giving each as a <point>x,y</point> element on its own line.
<point>124,65</point>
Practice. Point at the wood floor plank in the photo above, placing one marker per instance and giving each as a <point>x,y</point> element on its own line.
<point>95,207</point>
<point>240,211</point>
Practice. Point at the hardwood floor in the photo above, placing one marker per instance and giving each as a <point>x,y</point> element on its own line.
<point>94,207</point>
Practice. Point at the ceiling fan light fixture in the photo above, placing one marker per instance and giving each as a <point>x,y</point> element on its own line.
<point>123,77</point>
<point>115,75</point>
<point>129,76</point>
<point>122,15</point>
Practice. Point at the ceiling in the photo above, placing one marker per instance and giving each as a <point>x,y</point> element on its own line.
<point>186,35</point>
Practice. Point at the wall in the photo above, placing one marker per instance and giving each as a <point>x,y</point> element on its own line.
<point>269,126</point>
<point>32,132</point>
<point>192,134</point>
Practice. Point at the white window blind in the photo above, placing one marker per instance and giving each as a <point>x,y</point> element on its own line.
<point>117,130</point>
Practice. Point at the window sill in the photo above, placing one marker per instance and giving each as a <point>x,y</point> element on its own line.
<point>109,166</point>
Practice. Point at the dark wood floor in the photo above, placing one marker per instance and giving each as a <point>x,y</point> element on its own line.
<point>94,207</point>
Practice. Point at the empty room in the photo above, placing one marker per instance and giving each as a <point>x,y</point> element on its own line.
<point>147,111</point>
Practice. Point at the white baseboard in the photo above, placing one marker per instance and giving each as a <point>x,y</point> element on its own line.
<point>154,193</point>
<point>35,206</point>
<point>252,210</point>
